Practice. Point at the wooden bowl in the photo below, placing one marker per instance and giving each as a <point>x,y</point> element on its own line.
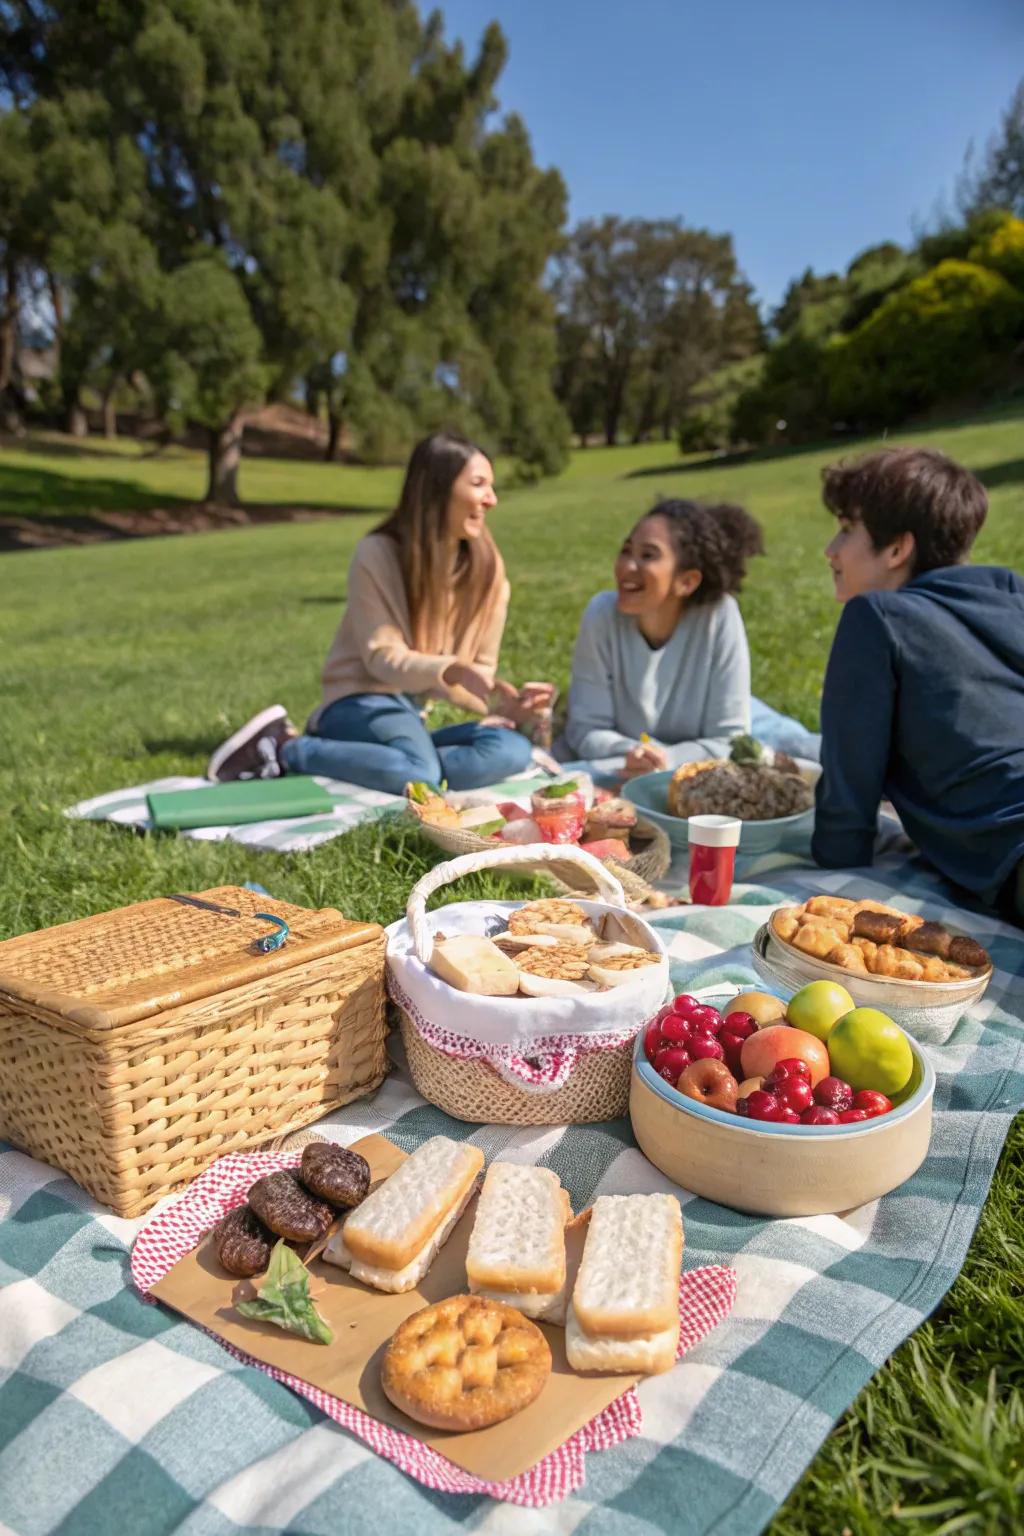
<point>780,1170</point>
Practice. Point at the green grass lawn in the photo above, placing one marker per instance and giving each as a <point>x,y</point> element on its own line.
<point>123,661</point>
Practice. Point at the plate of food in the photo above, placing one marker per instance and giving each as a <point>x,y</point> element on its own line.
<point>924,973</point>
<point>770,792</point>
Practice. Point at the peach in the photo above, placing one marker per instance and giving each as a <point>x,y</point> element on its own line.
<point>763,1008</point>
<point>777,1042</point>
<point>748,1085</point>
<point>709,1082</point>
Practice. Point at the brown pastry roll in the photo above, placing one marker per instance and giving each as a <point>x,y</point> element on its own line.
<point>242,1243</point>
<point>335,1174</point>
<point>816,941</point>
<point>282,1204</point>
<point>878,926</point>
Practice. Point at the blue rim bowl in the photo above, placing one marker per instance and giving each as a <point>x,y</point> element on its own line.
<point>649,793</point>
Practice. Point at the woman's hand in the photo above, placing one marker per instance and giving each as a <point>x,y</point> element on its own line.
<point>645,757</point>
<point>533,701</point>
<point>471,683</point>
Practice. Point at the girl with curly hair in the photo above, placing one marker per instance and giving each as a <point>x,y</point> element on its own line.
<point>661,669</point>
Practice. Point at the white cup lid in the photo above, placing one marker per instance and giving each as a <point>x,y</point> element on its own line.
<point>714,831</point>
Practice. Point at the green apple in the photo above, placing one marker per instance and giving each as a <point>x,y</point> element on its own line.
<point>868,1050</point>
<point>817,1006</point>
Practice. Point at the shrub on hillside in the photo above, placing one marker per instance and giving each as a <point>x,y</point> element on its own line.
<point>949,332</point>
<point>709,423</point>
<point>1002,250</point>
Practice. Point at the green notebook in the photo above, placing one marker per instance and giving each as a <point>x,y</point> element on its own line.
<point>232,805</point>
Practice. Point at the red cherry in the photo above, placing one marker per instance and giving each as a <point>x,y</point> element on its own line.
<point>761,1105</point>
<point>819,1115</point>
<point>707,1020</point>
<point>795,1093</point>
<point>652,1040</point>
<point>705,1048</point>
<point>848,1116</point>
<point>793,1066</point>
<point>742,1024</point>
<point>674,1029</point>
<point>732,1045</point>
<point>670,1061</point>
<point>787,1116</point>
<point>833,1093</point>
<point>684,1004</point>
<point>872,1102</point>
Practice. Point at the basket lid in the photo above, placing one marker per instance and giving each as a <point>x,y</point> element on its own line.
<point>118,967</point>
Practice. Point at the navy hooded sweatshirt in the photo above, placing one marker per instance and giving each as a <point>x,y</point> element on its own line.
<point>924,704</point>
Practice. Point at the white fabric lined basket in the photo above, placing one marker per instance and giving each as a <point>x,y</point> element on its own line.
<point>518,1060</point>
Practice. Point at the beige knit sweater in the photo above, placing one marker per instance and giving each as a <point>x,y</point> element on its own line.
<point>372,650</point>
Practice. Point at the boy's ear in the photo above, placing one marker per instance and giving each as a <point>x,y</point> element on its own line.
<point>901,551</point>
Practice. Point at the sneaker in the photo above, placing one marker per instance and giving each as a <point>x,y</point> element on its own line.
<point>254,751</point>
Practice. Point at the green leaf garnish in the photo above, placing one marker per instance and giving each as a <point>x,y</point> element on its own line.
<point>488,828</point>
<point>558,791</point>
<point>284,1298</point>
<point>746,749</point>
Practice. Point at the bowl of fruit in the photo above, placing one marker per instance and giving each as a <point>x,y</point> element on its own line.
<point>798,1107</point>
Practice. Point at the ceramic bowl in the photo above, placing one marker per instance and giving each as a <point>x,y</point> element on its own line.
<point>780,1170</point>
<point>928,1010</point>
<point>649,793</point>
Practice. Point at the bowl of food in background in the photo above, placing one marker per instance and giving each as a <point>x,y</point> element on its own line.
<point>924,974</point>
<point>770,793</point>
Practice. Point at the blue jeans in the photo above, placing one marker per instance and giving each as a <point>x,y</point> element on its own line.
<point>379,741</point>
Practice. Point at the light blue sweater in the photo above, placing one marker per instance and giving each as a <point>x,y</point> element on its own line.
<point>691,696</point>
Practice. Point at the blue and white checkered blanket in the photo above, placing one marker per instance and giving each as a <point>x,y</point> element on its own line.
<point>117,1416</point>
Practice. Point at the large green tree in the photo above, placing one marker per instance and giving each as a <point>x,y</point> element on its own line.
<point>647,308</point>
<point>323,188</point>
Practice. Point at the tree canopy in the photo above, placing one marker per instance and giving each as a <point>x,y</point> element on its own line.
<point>229,203</point>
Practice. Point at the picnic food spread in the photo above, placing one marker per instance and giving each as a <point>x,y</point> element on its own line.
<point>754,784</point>
<point>871,938</point>
<point>550,948</point>
<point>844,1069</point>
<point>564,811</point>
<point>474,1358</point>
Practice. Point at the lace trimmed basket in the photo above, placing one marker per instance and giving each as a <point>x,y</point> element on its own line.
<point>519,1060</point>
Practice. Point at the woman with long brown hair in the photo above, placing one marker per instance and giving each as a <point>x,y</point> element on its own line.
<point>427,600</point>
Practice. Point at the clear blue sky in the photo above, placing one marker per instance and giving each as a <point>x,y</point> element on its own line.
<point>809,129</point>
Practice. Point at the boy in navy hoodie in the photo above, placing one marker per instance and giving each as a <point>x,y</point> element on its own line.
<point>923,701</point>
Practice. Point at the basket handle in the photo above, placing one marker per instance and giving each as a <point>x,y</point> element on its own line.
<point>608,888</point>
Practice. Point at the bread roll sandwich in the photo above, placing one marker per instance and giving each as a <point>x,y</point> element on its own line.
<point>517,1247</point>
<point>390,1241</point>
<point>624,1313</point>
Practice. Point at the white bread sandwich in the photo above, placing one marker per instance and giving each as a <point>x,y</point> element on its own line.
<point>390,1241</point>
<point>624,1313</point>
<point>517,1246</point>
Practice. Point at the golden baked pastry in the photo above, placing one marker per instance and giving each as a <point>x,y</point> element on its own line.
<point>465,1363</point>
<point>872,939</point>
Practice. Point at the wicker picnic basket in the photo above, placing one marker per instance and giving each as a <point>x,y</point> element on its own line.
<point>647,859</point>
<point>138,1045</point>
<point>518,1060</point>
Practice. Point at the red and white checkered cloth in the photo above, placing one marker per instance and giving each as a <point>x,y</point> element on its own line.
<point>706,1297</point>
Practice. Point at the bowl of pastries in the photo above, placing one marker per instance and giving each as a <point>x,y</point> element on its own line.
<point>771,794</point>
<point>923,973</point>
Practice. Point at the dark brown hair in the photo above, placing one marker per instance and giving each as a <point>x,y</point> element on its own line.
<point>910,490</point>
<point>419,526</point>
<point>715,540</point>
